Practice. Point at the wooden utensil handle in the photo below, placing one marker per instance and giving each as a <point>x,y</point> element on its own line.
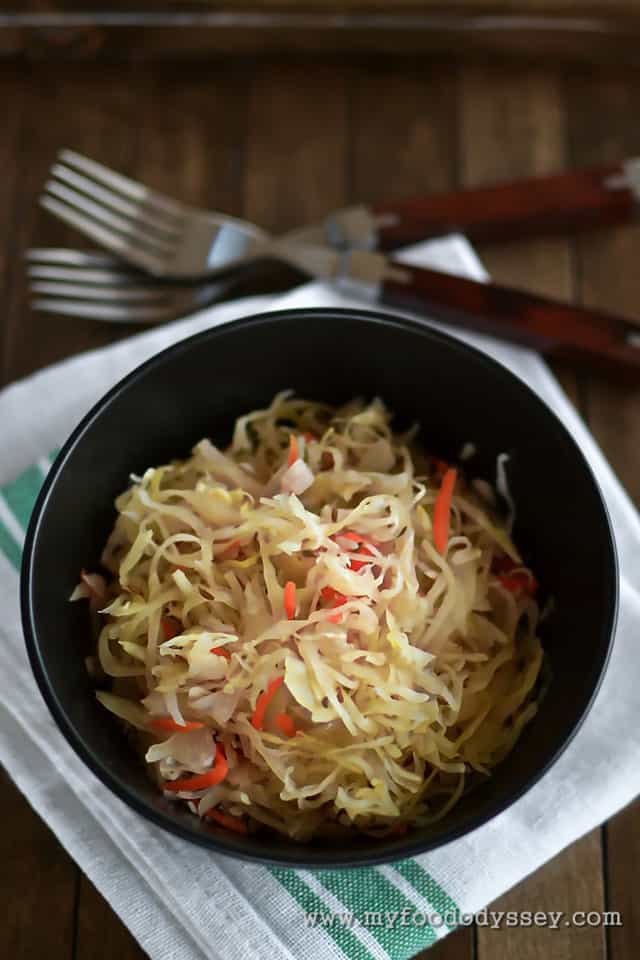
<point>552,327</point>
<point>566,201</point>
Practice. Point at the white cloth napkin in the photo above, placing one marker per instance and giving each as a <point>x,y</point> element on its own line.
<point>183,902</point>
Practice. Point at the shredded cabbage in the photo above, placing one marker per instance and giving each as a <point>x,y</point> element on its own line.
<point>401,672</point>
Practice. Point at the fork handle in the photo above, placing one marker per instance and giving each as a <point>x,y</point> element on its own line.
<point>539,205</point>
<point>557,329</point>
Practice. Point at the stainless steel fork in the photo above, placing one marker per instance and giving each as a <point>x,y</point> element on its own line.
<point>168,239</point>
<point>101,287</point>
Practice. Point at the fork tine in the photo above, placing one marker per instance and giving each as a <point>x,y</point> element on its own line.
<point>105,216</point>
<point>130,188</point>
<point>113,313</point>
<point>111,278</point>
<point>107,238</point>
<point>84,291</point>
<point>137,210</point>
<point>73,258</point>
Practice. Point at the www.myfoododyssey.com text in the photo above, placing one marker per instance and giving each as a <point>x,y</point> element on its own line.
<point>495,919</point>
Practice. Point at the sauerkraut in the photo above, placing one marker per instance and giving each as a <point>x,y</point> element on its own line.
<point>318,629</point>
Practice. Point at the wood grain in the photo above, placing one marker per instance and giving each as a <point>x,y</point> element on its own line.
<point>601,127</point>
<point>296,135</point>
<point>12,93</point>
<point>566,30</point>
<point>570,882</point>
<point>100,933</point>
<point>38,884</point>
<point>514,125</point>
<point>94,112</point>
<point>623,855</point>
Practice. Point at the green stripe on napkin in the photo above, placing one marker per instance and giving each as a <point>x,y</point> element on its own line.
<point>366,889</point>
<point>8,546</point>
<point>358,893</point>
<point>313,906</point>
<point>428,888</point>
<point>20,495</point>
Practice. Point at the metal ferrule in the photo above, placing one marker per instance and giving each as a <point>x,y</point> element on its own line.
<point>627,179</point>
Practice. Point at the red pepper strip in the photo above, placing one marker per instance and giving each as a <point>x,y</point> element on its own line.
<point>336,599</point>
<point>442,510</point>
<point>170,627</point>
<point>226,820</point>
<point>398,830</point>
<point>333,596</point>
<point>441,465</point>
<point>356,537</point>
<point>209,779</point>
<point>263,702</point>
<point>515,582</point>
<point>310,437</point>
<point>294,450</point>
<point>290,599</point>
<point>168,723</point>
<point>221,652</point>
<point>356,564</point>
<point>285,723</point>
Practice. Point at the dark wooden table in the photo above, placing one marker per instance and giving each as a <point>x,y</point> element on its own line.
<point>282,144</point>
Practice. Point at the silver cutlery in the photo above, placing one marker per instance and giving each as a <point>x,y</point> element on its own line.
<point>169,239</point>
<point>100,287</point>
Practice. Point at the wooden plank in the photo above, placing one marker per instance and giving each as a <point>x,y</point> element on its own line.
<point>38,884</point>
<point>623,856</point>
<point>296,128</point>
<point>11,111</point>
<point>403,136</point>
<point>403,141</point>
<point>95,112</point>
<point>571,882</point>
<point>513,124</point>
<point>570,30</point>
<point>602,126</point>
<point>193,133</point>
<point>602,115</point>
<point>100,934</point>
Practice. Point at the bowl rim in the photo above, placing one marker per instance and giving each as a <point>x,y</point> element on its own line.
<point>293,856</point>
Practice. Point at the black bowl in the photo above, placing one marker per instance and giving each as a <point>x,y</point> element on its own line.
<point>197,388</point>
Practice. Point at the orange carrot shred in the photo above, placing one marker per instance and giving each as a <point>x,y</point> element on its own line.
<point>294,453</point>
<point>221,652</point>
<point>204,780</point>
<point>263,701</point>
<point>290,599</point>
<point>442,510</point>
<point>285,723</point>
<point>230,551</point>
<point>168,723</point>
<point>310,437</point>
<point>171,627</point>
<point>227,820</point>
